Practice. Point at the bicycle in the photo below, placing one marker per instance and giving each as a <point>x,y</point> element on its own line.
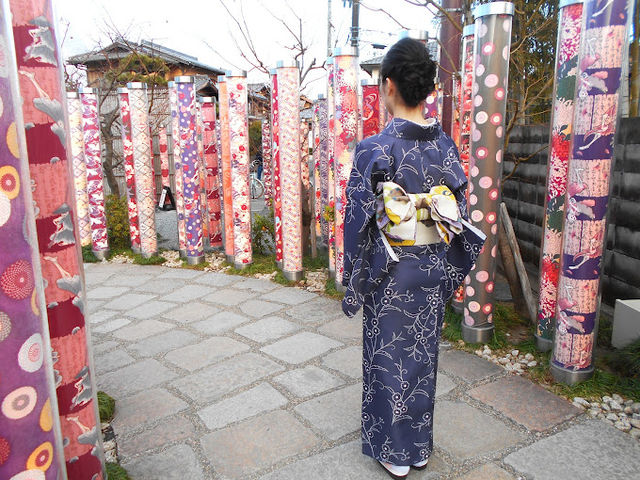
<point>257,187</point>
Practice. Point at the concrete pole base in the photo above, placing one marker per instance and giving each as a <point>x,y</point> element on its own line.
<point>569,376</point>
<point>332,274</point>
<point>135,250</point>
<point>293,276</point>
<point>148,255</point>
<point>230,259</point>
<point>481,334</point>
<point>543,344</point>
<point>101,254</point>
<point>240,266</point>
<point>340,288</point>
<point>279,264</point>
<point>195,260</point>
<point>183,254</point>
<point>457,307</point>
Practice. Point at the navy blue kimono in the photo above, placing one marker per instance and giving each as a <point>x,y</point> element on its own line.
<point>403,302</point>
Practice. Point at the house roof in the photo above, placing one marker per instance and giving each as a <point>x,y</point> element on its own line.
<point>375,62</point>
<point>122,48</point>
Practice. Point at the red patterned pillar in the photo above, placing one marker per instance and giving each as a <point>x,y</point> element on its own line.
<point>208,112</point>
<point>370,108</point>
<point>227,195</point>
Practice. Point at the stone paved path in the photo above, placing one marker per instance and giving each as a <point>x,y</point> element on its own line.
<point>224,377</point>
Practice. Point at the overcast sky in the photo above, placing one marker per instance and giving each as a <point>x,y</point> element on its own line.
<point>203,28</point>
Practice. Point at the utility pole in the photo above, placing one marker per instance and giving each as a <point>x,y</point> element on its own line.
<point>355,23</point>
<point>449,58</point>
<point>329,27</point>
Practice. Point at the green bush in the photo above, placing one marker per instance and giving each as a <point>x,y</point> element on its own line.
<point>116,472</point>
<point>88,256</point>
<point>106,406</point>
<point>117,213</point>
<point>626,361</point>
<point>262,233</point>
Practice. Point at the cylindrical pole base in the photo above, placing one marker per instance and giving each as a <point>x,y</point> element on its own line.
<point>195,260</point>
<point>332,273</point>
<point>148,255</point>
<point>543,344</point>
<point>183,254</point>
<point>482,334</point>
<point>293,276</point>
<point>135,250</point>
<point>569,376</point>
<point>279,264</point>
<point>101,254</point>
<point>240,266</point>
<point>230,259</point>
<point>339,287</point>
<point>457,307</point>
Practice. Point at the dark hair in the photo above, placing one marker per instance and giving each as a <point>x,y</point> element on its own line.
<point>409,65</point>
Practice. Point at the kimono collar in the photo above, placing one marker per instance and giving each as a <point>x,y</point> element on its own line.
<point>408,130</point>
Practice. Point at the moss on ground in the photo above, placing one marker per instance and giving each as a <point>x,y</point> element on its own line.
<point>106,407</point>
<point>116,472</point>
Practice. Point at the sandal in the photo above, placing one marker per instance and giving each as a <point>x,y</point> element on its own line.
<point>391,474</point>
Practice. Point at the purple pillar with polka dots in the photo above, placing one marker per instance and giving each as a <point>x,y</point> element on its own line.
<point>489,92</point>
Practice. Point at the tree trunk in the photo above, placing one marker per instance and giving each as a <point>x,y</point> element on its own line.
<point>107,164</point>
<point>634,53</point>
<point>509,265</point>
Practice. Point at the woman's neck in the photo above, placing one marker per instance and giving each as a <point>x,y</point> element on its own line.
<point>414,114</point>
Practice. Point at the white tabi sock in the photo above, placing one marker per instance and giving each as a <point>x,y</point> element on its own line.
<point>396,470</point>
<point>421,464</point>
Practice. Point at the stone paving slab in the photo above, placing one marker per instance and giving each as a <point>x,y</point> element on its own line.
<point>300,347</point>
<point>346,462</point>
<point>104,347</point>
<point>317,310</point>
<point>214,382</point>
<point>162,343</point>
<point>110,361</point>
<point>470,368</point>
<point>142,329</point>
<point>171,430</point>
<point>139,376</point>
<point>188,293</point>
<point>211,350</point>
<point>257,285</point>
<point>175,463</point>
<point>217,279</point>
<point>94,305</point>
<point>160,287</point>
<point>444,384</point>
<point>488,471</point>
<point>101,316</point>
<point>104,293</point>
<point>183,273</point>
<point>255,401</point>
<point>191,312</point>
<point>93,278</point>
<point>347,361</point>
<point>267,329</point>
<point>152,308</point>
<point>289,296</point>
<point>335,414</point>
<point>237,452</point>
<point>465,432</point>
<point>111,325</point>
<point>219,323</point>
<point>259,308</point>
<point>128,301</point>
<point>594,450</point>
<point>146,406</point>
<point>229,297</point>
<point>307,381</point>
<point>515,397</point>
<point>128,280</point>
<point>345,329</point>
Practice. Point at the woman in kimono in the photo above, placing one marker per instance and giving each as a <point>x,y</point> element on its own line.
<point>408,246</point>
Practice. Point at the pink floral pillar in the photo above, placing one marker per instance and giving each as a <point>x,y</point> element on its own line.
<point>76,136</point>
<point>266,163</point>
<point>466,102</point>
<point>208,112</point>
<point>93,159</point>
<point>275,160</point>
<point>143,167</point>
<point>177,167</point>
<point>227,188</point>
<point>491,54</point>
<point>569,28</point>
<point>42,97</point>
<point>345,80</point>
<point>290,169</point>
<point>203,171</point>
<point>370,108</point>
<point>329,212</point>
<point>239,151</point>
<point>129,169</point>
<point>322,145</point>
<point>164,157</point>
<point>602,67</point>
<point>317,189</point>
<point>30,438</point>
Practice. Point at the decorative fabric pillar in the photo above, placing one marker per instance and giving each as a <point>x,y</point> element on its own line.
<point>164,157</point>
<point>143,167</point>
<point>330,208</point>
<point>345,131</point>
<point>208,112</point>
<point>569,29</point>
<point>43,110</point>
<point>76,136</point>
<point>190,169</point>
<point>129,170</point>
<point>466,102</point>
<point>290,169</point>
<point>275,155</point>
<point>306,192</point>
<point>432,104</point>
<point>30,437</point>
<point>602,67</point>
<point>266,162</point>
<point>317,189</point>
<point>202,168</point>
<point>177,167</point>
<point>491,53</point>
<point>227,194</point>
<point>93,160</point>
<point>323,152</point>
<point>239,149</point>
<point>370,108</point>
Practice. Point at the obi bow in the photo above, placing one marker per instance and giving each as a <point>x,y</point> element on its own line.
<point>398,213</point>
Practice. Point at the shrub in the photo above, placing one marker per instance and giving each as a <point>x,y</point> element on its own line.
<point>262,233</point>
<point>117,213</point>
<point>106,406</point>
